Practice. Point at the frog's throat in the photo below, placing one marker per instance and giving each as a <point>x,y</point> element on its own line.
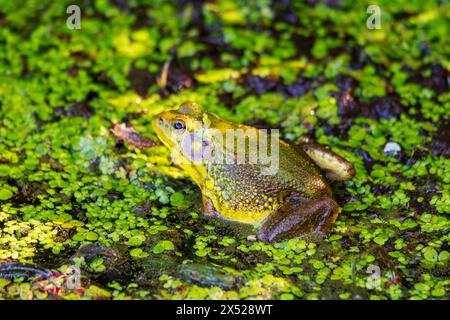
<point>163,138</point>
<point>196,171</point>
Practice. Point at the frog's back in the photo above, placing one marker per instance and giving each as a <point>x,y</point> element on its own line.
<point>244,193</point>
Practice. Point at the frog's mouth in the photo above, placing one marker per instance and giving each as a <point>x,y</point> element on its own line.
<point>162,129</point>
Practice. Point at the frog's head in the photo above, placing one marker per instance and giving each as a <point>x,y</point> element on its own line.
<point>171,126</point>
<point>187,130</point>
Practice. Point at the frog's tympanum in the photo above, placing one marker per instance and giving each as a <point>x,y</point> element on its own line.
<point>294,200</point>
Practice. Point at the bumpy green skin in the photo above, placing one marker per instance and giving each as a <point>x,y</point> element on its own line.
<point>244,194</point>
<point>245,188</point>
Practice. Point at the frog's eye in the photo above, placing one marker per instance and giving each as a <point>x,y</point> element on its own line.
<point>179,125</point>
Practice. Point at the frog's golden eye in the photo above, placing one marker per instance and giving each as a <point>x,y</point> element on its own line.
<point>179,124</point>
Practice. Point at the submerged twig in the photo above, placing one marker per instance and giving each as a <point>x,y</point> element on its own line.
<point>162,79</point>
<point>130,136</point>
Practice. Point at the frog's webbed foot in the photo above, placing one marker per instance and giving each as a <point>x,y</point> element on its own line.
<point>312,219</point>
<point>335,167</point>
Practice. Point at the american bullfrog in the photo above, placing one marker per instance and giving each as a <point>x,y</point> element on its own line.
<point>294,201</point>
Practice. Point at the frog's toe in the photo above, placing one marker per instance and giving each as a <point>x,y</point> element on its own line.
<point>335,166</point>
<point>311,220</point>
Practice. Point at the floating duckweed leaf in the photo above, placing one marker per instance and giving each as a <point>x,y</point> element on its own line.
<point>138,253</point>
<point>381,239</point>
<point>5,194</point>
<point>438,292</point>
<point>91,236</point>
<point>136,240</point>
<point>163,246</point>
<point>430,254</point>
<point>444,256</point>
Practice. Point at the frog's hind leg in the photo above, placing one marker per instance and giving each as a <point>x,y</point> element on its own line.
<point>312,219</point>
<point>335,167</point>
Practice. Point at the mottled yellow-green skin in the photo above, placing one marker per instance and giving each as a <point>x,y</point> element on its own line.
<point>240,192</point>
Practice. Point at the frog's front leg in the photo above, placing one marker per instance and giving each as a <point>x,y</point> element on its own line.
<point>296,218</point>
<point>335,167</point>
<point>208,207</point>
